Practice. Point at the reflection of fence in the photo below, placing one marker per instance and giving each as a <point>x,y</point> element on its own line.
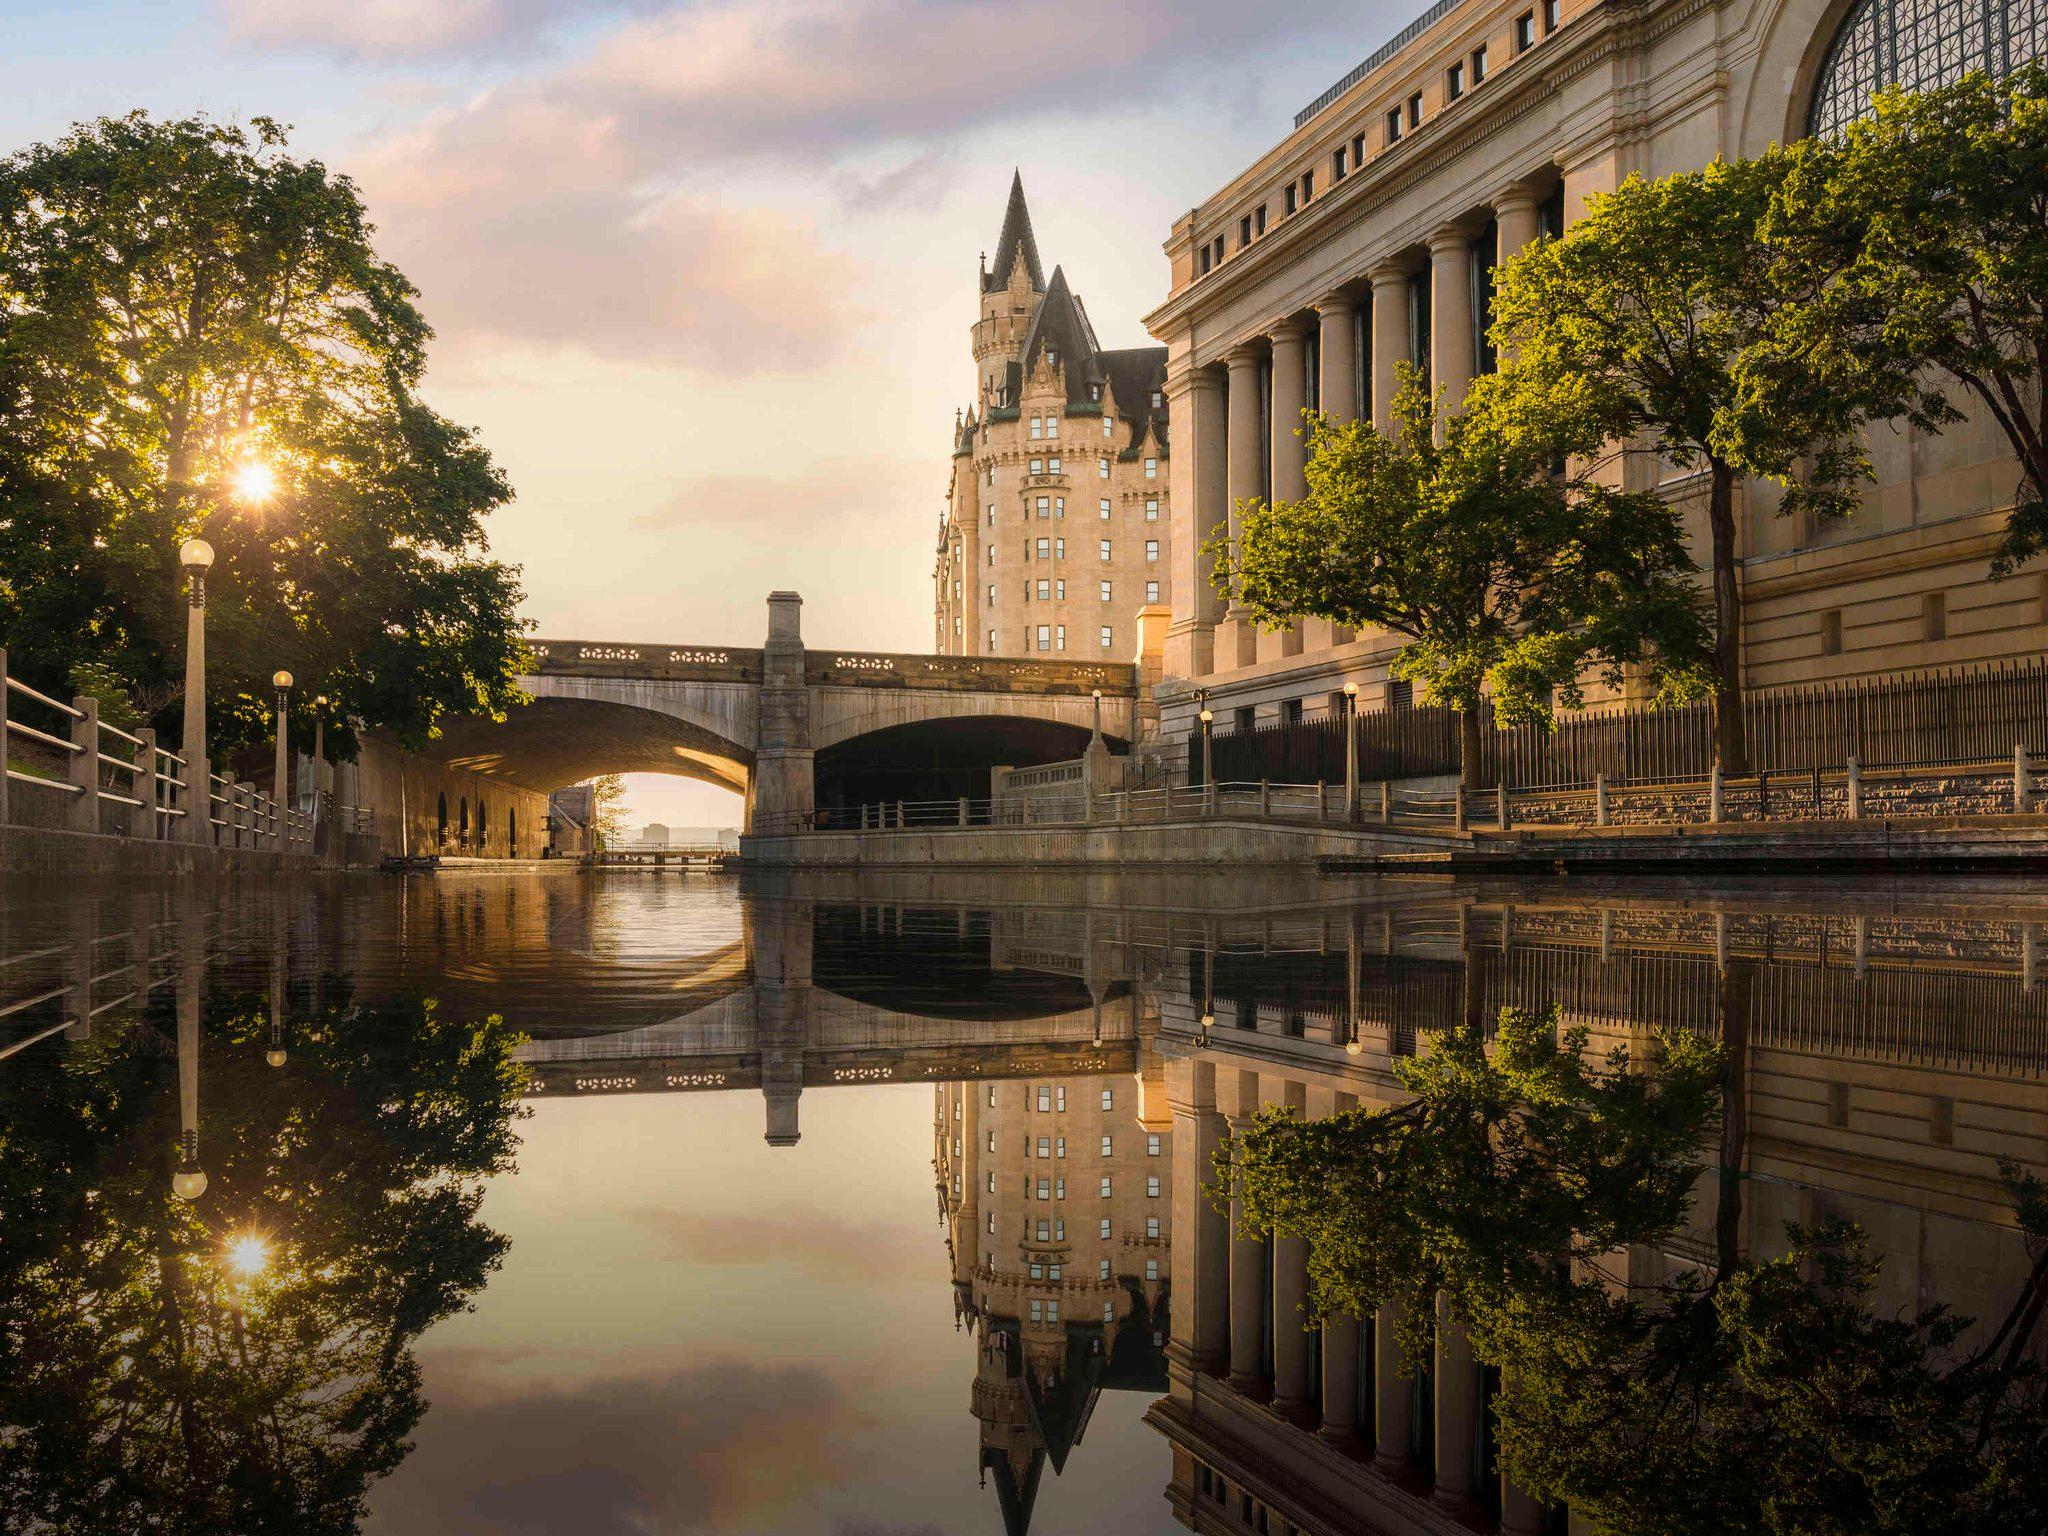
<point>1975,715</point>
<point>88,776</point>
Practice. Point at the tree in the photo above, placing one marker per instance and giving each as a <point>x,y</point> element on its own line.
<point>1506,578</point>
<point>1921,236</point>
<point>197,337</point>
<point>608,807</point>
<point>1631,333</point>
<point>1749,1397</point>
<point>147,1384</point>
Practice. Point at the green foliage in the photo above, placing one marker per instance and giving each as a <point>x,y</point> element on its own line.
<point>180,301</point>
<point>1508,580</point>
<point>1917,244</point>
<point>144,1384</point>
<point>96,680</point>
<point>1535,1192</point>
<point>608,807</point>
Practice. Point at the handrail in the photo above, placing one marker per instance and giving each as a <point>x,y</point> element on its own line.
<point>16,685</point>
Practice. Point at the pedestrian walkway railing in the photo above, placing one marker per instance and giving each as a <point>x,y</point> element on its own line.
<point>62,766</point>
<point>1847,793</point>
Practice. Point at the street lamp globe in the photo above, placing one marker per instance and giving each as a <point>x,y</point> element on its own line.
<point>1207,716</point>
<point>280,679</point>
<point>1351,690</point>
<point>195,555</point>
<point>189,1182</point>
<point>274,1056</point>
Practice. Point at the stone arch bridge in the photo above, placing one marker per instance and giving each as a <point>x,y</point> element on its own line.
<point>796,730</point>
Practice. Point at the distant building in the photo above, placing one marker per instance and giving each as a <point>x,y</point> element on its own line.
<point>1055,534</point>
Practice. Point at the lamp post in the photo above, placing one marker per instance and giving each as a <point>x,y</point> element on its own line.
<point>280,789</point>
<point>319,756</point>
<point>195,556</point>
<point>1208,719</point>
<point>1351,751</point>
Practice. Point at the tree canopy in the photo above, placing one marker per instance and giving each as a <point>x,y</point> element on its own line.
<point>198,337</point>
<point>1917,243</point>
<point>1508,580</point>
<point>1629,336</point>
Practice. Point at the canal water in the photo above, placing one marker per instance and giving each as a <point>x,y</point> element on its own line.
<point>666,1203</point>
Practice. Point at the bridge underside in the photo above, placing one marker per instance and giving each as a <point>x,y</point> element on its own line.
<point>939,759</point>
<point>556,741</point>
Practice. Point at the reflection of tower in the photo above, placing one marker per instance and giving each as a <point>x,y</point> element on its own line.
<point>1057,1203</point>
<point>780,935</point>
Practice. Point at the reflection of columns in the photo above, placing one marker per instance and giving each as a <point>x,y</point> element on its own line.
<point>1337,351</point>
<point>1389,338</point>
<point>1247,1278</point>
<point>1200,505</point>
<point>779,935</point>
<point>1340,1379</point>
<point>1392,1393</point>
<point>1521,1514</point>
<point>1457,1411</point>
<point>1450,315</point>
<point>1201,1230</point>
<point>1246,482</point>
<point>1292,1364</point>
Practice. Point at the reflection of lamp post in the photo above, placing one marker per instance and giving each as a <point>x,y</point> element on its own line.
<point>278,966</point>
<point>280,792</point>
<point>188,1182</point>
<point>196,557</point>
<point>1351,751</point>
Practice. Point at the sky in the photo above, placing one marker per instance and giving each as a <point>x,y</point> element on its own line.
<point>702,273</point>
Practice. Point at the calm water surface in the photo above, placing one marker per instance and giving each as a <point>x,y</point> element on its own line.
<point>822,1207</point>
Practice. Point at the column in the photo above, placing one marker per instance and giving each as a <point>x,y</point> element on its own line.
<point>1391,1391</point>
<point>1199,504</point>
<point>1290,450</point>
<point>1457,1412</point>
<point>1338,385</point>
<point>1450,315</point>
<point>1245,480</point>
<point>1291,1363</point>
<point>1389,338</point>
<point>781,786</point>
<point>1201,1246</point>
<point>1517,213</point>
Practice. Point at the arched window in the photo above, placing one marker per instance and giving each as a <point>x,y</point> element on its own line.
<point>512,832</point>
<point>483,822</point>
<point>441,820</point>
<point>1919,44</point>
<point>462,821</point>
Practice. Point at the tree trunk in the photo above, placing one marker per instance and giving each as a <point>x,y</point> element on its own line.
<point>1468,747</point>
<point>1733,737</point>
<point>1735,1005</point>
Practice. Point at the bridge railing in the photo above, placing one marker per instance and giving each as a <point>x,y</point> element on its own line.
<point>620,658</point>
<point>969,674</point>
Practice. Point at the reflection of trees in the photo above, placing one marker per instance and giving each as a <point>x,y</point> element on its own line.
<point>148,1384</point>
<point>1523,1184</point>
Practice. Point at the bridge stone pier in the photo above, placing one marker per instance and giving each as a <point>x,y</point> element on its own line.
<point>801,733</point>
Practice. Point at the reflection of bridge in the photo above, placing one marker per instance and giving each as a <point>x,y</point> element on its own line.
<point>793,728</point>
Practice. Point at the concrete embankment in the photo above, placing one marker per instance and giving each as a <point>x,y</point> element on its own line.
<point>44,851</point>
<point>1250,842</point>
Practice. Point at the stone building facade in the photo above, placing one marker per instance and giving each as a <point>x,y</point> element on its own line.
<point>1057,1196</point>
<point>1057,528</point>
<point>1369,235</point>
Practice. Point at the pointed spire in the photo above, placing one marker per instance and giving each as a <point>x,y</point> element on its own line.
<point>1015,240</point>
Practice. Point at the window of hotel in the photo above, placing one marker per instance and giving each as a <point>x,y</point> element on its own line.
<point>1152,1186</point>
<point>1158,400</point>
<point>1454,81</point>
<point>1044,1231</point>
<point>1059,638</point>
<point>1151,1230</point>
<point>1052,1271</point>
<point>1549,15</point>
<point>1038,466</point>
<point>1525,31</point>
<point>1105,1186</point>
<point>1108,637</point>
<point>1044,591</point>
<point>1102,469</point>
<point>1479,63</point>
<point>1104,1227</point>
<point>1151,469</point>
<point>1044,506</point>
<point>1037,1310</point>
<point>1831,632</point>
<point>1152,1269</point>
<point>1037,427</point>
<point>1102,1273</point>
<point>1105,1146</point>
<point>991,591</point>
<point>991,642</point>
<point>1045,637</point>
<point>1105,548</point>
<point>1934,615</point>
<point>1151,1146</point>
<point>1052,465</point>
<point>991,554</point>
<point>1415,110</point>
<point>1151,591</point>
<point>1108,427</point>
<point>1103,506</point>
<point>1059,1192</point>
<point>1059,549</point>
<point>991,1221</point>
<point>1105,590</point>
<point>1151,509</point>
<point>1052,426</point>
<point>991,514</point>
<point>1059,590</point>
<point>1037,1271</point>
<point>1393,124</point>
<point>1044,548</point>
<point>1109,1098</point>
<point>1045,1189</point>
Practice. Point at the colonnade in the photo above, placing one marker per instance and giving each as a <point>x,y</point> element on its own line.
<point>1237,425</point>
<point>1238,1314</point>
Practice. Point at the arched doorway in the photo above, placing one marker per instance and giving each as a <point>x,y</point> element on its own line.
<point>483,824</point>
<point>512,833</point>
<point>462,823</point>
<point>441,822</point>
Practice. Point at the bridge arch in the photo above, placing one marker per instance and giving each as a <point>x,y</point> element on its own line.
<point>941,757</point>
<point>564,738</point>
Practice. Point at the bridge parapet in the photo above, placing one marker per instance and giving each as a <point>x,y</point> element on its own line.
<point>968,674</point>
<point>619,658</point>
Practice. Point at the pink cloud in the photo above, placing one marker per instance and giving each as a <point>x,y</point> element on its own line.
<point>381,31</point>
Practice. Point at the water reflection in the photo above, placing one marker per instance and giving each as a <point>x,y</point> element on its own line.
<point>688,1227</point>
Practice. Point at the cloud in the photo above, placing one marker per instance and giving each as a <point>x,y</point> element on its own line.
<point>771,503</point>
<point>385,31</point>
<point>723,1445</point>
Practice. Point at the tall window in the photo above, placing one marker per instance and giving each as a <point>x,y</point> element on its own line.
<point>1919,44</point>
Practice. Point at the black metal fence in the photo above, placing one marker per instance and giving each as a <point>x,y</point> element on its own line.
<point>1978,714</point>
